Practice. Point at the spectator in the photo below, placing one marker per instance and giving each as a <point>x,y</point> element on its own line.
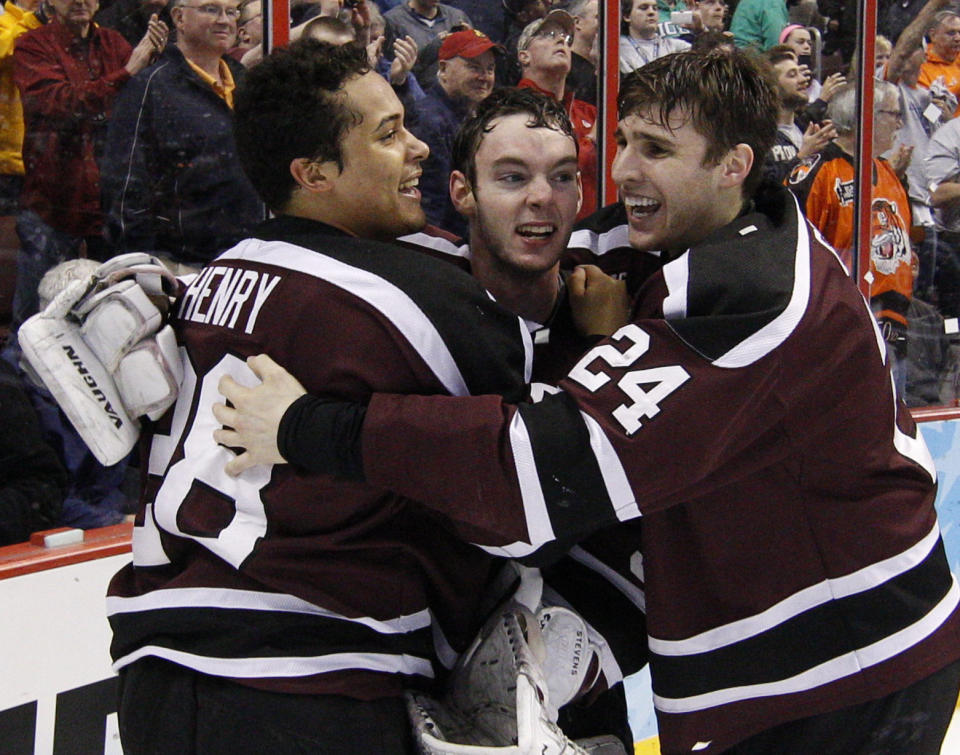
<point>520,13</point>
<point>543,51</point>
<point>249,29</point>
<point>712,14</point>
<point>883,49</point>
<point>758,23</point>
<point>68,73</point>
<point>893,16</point>
<point>423,20</point>
<point>920,121</point>
<point>941,69</point>
<point>16,20</point>
<point>132,17</point>
<point>798,39</point>
<point>464,78</point>
<point>32,480</point>
<point>940,266</point>
<point>582,80</point>
<point>792,144</point>
<point>171,181</point>
<point>824,185</point>
<point>640,40</point>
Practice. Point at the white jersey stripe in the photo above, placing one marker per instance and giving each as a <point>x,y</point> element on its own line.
<point>393,303</point>
<point>600,243</point>
<point>623,585</point>
<point>257,668</point>
<point>771,335</point>
<point>539,527</point>
<point>819,594</point>
<point>824,673</point>
<point>615,480</point>
<point>250,600</point>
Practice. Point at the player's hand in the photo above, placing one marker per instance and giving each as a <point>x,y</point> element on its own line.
<point>253,421</point>
<point>599,303</point>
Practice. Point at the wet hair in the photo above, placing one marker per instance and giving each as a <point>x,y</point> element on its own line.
<point>291,105</point>
<point>544,112</point>
<point>725,94</point>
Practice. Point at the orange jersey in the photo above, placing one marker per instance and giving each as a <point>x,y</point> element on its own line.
<point>935,66</point>
<point>824,184</point>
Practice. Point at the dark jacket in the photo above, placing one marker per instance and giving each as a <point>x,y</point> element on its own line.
<point>171,179</point>
<point>32,480</point>
<point>438,118</point>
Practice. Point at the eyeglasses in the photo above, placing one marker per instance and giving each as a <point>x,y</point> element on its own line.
<point>555,34</point>
<point>214,11</point>
<point>897,114</point>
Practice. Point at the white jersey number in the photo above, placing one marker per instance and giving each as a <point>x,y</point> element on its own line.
<point>203,463</point>
<point>646,403</point>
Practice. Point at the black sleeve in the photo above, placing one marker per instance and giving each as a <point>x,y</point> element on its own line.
<point>323,436</point>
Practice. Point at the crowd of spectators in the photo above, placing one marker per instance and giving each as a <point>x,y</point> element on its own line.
<point>116,136</point>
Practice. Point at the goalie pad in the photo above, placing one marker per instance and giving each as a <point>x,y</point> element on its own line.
<point>81,386</point>
<point>116,319</point>
<point>148,376</point>
<point>78,346</point>
<point>497,698</point>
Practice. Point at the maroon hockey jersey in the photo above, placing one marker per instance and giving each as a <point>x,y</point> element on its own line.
<point>286,580</point>
<point>789,547</point>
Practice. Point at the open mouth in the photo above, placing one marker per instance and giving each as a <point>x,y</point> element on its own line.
<point>641,207</point>
<point>536,231</point>
<point>409,187</point>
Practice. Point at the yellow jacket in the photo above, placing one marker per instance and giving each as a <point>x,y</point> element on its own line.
<point>14,22</point>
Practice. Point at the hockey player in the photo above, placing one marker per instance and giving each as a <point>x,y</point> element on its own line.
<point>281,611</point>
<point>798,597</point>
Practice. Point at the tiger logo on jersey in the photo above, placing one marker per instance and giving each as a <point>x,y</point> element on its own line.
<point>803,168</point>
<point>889,246</point>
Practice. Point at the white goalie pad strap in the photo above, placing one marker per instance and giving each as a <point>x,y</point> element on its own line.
<point>116,319</point>
<point>148,271</point>
<point>149,375</point>
<point>81,386</point>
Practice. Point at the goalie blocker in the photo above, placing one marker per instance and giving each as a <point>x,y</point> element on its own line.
<point>101,349</point>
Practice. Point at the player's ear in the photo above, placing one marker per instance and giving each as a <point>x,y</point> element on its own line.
<point>736,165</point>
<point>461,194</point>
<point>312,175</point>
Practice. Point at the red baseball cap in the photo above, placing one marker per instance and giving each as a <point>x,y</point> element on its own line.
<point>468,43</point>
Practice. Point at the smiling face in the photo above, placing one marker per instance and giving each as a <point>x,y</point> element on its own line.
<point>791,83</point>
<point>468,79</point>
<point>375,196</point>
<point>524,200</point>
<point>199,29</point>
<point>673,198</point>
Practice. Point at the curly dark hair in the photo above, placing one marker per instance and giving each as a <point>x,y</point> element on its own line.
<point>725,94</point>
<point>544,112</point>
<point>290,106</point>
